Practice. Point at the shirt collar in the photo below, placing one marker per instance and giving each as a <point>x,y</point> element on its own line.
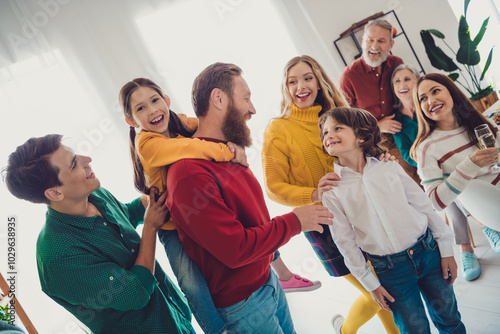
<point>341,169</point>
<point>54,216</point>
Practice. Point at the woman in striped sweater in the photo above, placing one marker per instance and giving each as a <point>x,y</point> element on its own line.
<point>448,154</point>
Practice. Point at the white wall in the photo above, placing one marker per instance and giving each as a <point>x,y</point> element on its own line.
<point>331,18</point>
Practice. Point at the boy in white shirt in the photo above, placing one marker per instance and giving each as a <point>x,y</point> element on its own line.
<point>379,210</point>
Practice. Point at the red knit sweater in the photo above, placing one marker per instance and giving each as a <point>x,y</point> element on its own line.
<point>224,226</point>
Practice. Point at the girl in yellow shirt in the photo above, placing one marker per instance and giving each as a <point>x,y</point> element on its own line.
<point>153,149</point>
<point>162,140</point>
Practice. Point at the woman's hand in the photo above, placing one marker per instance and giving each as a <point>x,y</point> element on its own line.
<point>157,210</point>
<point>387,156</point>
<point>326,183</point>
<point>240,157</point>
<point>388,125</point>
<point>485,157</point>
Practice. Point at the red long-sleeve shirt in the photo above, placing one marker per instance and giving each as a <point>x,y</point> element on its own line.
<point>224,226</point>
<point>368,89</point>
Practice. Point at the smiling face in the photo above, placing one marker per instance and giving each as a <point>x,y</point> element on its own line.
<point>436,102</point>
<point>339,140</point>
<point>403,83</point>
<point>150,111</point>
<point>302,85</point>
<point>76,175</point>
<point>377,43</point>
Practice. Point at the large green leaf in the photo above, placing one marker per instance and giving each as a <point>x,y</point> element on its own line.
<point>481,32</point>
<point>487,65</point>
<point>436,56</point>
<point>467,54</point>
<point>466,5</point>
<point>436,33</point>
<point>453,76</point>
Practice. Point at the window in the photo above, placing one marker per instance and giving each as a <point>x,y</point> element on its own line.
<point>249,34</point>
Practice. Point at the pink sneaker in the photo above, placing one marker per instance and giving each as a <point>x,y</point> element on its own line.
<point>297,284</point>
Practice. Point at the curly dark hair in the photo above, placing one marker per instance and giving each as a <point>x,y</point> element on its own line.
<point>363,123</point>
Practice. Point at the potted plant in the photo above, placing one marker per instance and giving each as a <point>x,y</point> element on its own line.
<point>482,95</point>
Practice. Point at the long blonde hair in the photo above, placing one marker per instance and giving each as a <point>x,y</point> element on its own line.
<point>329,96</point>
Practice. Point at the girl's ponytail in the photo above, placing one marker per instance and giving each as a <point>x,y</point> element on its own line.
<point>139,179</point>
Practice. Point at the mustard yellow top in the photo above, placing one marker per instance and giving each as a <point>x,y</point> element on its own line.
<point>156,152</point>
<point>293,158</point>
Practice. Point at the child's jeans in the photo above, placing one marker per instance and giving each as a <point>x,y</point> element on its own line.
<point>264,311</point>
<point>407,275</point>
<point>192,283</point>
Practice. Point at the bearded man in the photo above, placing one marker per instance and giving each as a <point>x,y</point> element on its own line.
<point>221,216</point>
<point>367,81</point>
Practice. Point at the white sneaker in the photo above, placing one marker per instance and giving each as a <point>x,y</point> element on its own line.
<point>337,322</point>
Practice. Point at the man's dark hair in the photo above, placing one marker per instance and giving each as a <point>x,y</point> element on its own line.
<point>217,75</point>
<point>29,171</point>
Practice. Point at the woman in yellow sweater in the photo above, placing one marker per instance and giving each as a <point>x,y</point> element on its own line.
<point>297,171</point>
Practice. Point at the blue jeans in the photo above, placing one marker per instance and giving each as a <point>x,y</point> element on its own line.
<point>265,311</point>
<point>192,283</point>
<point>407,275</point>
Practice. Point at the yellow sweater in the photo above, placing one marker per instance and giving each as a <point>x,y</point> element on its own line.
<point>293,158</point>
<point>156,152</point>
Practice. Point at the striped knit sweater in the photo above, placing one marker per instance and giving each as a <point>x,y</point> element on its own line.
<point>445,168</point>
<point>293,158</point>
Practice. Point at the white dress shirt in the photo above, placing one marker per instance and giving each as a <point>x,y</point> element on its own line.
<point>382,211</point>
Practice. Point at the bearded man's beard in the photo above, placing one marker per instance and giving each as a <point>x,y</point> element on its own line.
<point>235,128</point>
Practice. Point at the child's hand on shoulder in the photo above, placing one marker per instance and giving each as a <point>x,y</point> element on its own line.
<point>381,296</point>
<point>240,157</point>
<point>449,268</point>
<point>327,182</point>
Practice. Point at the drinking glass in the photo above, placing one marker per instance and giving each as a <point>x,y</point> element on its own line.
<point>486,139</point>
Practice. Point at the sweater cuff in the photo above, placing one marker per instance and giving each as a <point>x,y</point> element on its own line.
<point>293,221</point>
<point>146,278</point>
<point>306,196</point>
<point>468,167</point>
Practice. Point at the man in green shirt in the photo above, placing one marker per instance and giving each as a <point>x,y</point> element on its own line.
<point>90,258</point>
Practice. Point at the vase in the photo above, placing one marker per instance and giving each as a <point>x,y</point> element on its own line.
<point>482,104</point>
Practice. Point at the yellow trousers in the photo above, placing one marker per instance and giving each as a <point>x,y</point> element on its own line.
<point>363,309</point>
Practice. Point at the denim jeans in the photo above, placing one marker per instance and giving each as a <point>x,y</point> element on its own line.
<point>265,311</point>
<point>192,283</point>
<point>413,273</point>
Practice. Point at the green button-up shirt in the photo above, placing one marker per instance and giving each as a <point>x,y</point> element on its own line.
<point>86,264</point>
